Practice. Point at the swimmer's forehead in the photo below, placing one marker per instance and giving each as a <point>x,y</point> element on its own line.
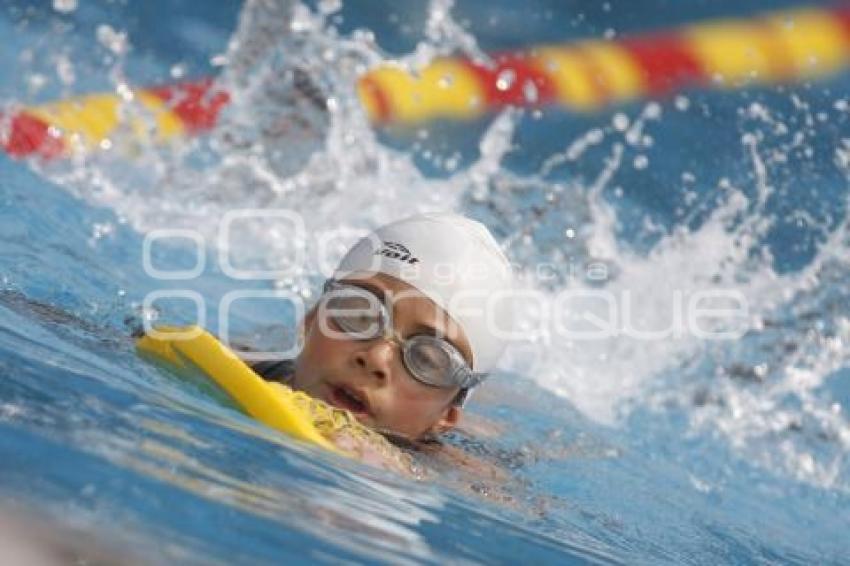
<point>413,310</point>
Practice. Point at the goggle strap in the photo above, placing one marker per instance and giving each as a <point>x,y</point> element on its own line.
<point>474,380</point>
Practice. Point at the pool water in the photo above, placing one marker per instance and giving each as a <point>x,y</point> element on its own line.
<point>676,449</point>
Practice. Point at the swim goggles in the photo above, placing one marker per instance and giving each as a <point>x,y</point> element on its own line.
<point>360,314</point>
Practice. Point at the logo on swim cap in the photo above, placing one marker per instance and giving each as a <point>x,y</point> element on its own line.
<point>394,250</point>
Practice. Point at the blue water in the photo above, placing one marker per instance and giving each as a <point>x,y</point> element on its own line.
<point>682,451</point>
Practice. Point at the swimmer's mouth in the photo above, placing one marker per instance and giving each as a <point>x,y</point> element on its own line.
<point>349,399</point>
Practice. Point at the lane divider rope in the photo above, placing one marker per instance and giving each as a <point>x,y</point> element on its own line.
<point>582,76</point>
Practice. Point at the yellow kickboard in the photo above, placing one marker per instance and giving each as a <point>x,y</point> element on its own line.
<point>273,404</point>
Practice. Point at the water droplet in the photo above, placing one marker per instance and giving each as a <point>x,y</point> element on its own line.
<point>570,233</point>
<point>101,229</point>
<point>177,71</point>
<point>35,82</point>
<point>506,79</point>
<point>652,111</point>
<point>124,91</point>
<point>609,33</point>
<point>529,91</point>
<point>65,69</point>
<point>364,36</point>
<point>595,136</point>
<point>328,7</point>
<point>219,60</point>
<point>641,162</point>
<point>115,41</point>
<point>620,122</point>
<point>682,103</point>
<point>64,6</point>
<point>302,19</point>
<point>446,81</point>
<point>452,162</point>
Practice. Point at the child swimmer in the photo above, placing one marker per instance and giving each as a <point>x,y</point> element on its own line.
<point>413,319</point>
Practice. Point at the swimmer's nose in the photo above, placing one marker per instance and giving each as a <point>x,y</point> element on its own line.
<point>376,359</point>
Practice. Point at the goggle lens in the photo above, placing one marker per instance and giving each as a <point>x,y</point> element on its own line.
<point>362,316</point>
<point>356,312</point>
<point>428,358</point>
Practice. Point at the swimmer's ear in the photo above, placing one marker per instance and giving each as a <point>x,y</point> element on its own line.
<point>449,420</point>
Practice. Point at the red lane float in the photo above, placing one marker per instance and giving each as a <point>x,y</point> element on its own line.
<point>783,46</point>
<point>88,122</point>
<point>582,76</point>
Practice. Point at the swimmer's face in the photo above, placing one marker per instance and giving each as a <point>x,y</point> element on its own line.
<point>368,377</point>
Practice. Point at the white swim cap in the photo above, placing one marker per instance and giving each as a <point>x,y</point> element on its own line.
<point>456,263</point>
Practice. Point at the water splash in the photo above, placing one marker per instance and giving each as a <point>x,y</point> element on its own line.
<point>295,137</point>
